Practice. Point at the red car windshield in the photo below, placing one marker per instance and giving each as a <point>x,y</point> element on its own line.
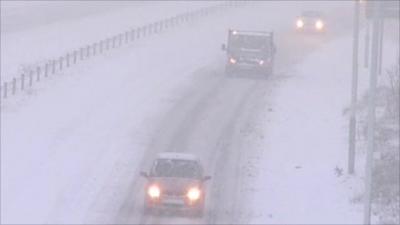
<point>176,168</point>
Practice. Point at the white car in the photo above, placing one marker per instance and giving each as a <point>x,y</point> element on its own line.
<point>175,181</point>
<point>311,21</point>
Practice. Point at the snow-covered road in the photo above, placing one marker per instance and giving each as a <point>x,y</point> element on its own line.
<point>73,149</point>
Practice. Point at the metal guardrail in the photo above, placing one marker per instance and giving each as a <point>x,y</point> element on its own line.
<point>42,71</point>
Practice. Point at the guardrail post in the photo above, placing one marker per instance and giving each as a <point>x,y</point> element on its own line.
<point>67,57</point>
<point>101,46</point>
<point>81,53</point>
<point>5,89</point>
<point>75,56</point>
<point>22,81</point>
<point>61,62</point>
<point>132,34</point>
<point>113,42</point>
<point>88,51</point>
<point>107,43</point>
<point>53,69</point>
<point>38,73</point>
<point>126,37</point>
<point>46,69</point>
<point>144,31</point>
<point>120,39</point>
<point>94,48</point>
<point>14,86</point>
<point>31,78</point>
<point>165,24</point>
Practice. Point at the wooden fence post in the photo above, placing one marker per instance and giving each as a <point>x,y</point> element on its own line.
<point>22,81</point>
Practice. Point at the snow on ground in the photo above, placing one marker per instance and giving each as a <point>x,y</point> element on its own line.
<point>67,31</point>
<point>305,140</point>
<point>51,142</point>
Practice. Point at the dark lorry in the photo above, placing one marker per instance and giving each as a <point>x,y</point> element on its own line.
<point>250,51</point>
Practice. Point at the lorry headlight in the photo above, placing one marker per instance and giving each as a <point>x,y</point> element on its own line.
<point>319,25</point>
<point>232,60</point>
<point>261,62</point>
<point>154,191</point>
<point>193,194</point>
<point>300,23</point>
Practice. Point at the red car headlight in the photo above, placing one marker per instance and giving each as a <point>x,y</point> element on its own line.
<point>154,191</point>
<point>193,194</point>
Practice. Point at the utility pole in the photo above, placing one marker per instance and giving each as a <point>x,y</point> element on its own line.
<point>371,109</point>
<point>367,40</point>
<point>354,84</point>
<point>381,30</point>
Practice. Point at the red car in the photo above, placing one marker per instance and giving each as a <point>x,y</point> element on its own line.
<point>175,181</point>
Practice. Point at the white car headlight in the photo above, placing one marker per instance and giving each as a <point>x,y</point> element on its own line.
<point>154,191</point>
<point>232,60</point>
<point>300,23</point>
<point>193,194</point>
<point>319,24</point>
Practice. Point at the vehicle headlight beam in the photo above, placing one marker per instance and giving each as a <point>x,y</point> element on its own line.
<point>154,191</point>
<point>193,194</point>
<point>299,23</point>
<point>319,24</point>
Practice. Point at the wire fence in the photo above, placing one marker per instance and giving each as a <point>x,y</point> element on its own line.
<point>41,71</point>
